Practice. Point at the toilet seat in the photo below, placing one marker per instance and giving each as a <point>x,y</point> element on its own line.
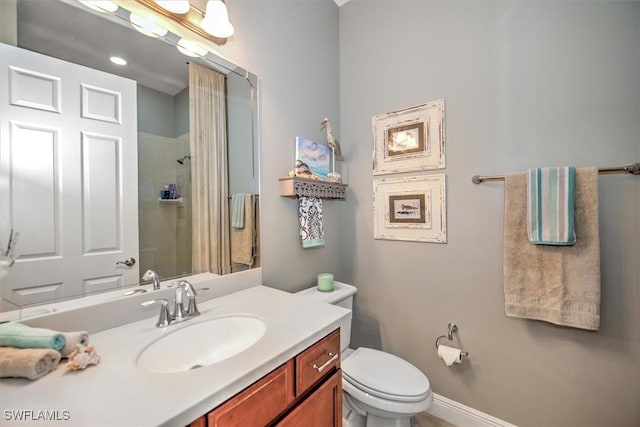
<point>385,376</point>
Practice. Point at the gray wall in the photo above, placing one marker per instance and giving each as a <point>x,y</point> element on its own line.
<point>293,48</point>
<point>528,83</point>
<point>239,113</point>
<point>156,112</point>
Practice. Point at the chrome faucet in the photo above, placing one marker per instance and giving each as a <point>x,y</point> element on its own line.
<point>152,275</point>
<point>180,313</point>
<point>185,288</point>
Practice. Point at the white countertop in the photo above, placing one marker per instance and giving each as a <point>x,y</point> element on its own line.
<point>117,393</point>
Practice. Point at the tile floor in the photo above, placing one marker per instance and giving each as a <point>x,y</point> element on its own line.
<point>427,420</point>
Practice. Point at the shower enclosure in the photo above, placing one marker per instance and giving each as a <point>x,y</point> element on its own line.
<point>163,159</point>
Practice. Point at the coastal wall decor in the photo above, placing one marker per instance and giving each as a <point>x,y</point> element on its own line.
<point>411,139</point>
<point>312,159</point>
<point>410,208</point>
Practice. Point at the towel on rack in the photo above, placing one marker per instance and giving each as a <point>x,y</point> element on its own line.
<point>237,210</point>
<point>31,363</point>
<point>556,284</point>
<point>310,218</point>
<point>550,205</point>
<point>242,239</point>
<point>15,334</point>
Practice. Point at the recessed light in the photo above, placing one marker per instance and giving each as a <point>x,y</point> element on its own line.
<point>118,61</point>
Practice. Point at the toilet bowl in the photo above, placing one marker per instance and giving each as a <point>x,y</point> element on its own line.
<point>379,388</point>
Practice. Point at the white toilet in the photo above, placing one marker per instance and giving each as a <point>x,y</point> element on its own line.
<point>379,389</point>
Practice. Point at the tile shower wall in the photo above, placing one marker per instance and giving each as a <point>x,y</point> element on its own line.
<point>165,228</point>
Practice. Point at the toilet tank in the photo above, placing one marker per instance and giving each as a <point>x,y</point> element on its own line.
<point>342,295</point>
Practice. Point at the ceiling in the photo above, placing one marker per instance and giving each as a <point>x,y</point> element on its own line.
<point>77,34</point>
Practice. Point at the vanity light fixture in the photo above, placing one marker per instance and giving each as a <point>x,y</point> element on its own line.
<point>212,23</point>
<point>118,61</point>
<point>174,6</point>
<point>216,19</point>
<point>146,27</point>
<point>190,48</point>
<point>104,6</point>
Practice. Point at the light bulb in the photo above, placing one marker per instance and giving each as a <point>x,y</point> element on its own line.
<point>174,6</point>
<point>189,48</point>
<point>146,27</point>
<point>216,20</point>
<point>100,5</point>
<point>118,61</point>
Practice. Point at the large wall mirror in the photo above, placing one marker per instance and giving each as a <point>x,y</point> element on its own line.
<point>111,170</point>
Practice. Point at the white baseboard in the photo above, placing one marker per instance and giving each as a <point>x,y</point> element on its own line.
<point>461,415</point>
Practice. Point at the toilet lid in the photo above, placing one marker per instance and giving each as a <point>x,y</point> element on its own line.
<point>385,375</point>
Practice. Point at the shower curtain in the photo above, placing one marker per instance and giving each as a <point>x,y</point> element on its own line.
<point>208,143</point>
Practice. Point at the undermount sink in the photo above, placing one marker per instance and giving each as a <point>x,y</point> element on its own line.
<point>201,344</point>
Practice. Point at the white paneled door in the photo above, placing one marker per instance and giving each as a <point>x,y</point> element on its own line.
<point>68,180</point>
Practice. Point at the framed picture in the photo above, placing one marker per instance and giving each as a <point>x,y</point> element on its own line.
<point>412,208</point>
<point>312,158</point>
<point>409,140</point>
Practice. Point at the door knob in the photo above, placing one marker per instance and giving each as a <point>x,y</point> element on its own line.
<point>128,262</point>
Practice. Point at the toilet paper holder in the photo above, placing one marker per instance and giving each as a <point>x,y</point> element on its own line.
<point>452,328</point>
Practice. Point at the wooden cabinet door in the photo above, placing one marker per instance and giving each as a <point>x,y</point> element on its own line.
<point>323,408</point>
<point>259,404</point>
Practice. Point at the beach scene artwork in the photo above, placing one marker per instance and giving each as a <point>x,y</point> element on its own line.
<point>312,158</point>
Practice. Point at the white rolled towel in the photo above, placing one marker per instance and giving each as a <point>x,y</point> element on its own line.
<point>450,355</point>
<point>73,338</point>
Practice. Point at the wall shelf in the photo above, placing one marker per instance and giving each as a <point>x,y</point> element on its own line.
<point>297,186</point>
<point>177,201</point>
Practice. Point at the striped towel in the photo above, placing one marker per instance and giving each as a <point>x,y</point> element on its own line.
<point>550,206</point>
<point>237,210</point>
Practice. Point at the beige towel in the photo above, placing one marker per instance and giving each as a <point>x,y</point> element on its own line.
<point>242,238</point>
<point>557,284</point>
<point>31,363</point>
<point>73,338</point>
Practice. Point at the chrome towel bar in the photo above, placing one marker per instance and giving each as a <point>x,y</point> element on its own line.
<point>633,169</point>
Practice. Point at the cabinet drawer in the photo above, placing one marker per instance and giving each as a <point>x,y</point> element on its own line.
<point>317,361</point>
<point>259,404</point>
<point>322,409</point>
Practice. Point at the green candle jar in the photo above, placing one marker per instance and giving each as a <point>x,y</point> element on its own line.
<point>325,282</point>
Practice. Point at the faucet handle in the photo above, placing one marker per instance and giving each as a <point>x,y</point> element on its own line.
<point>192,307</point>
<point>164,318</point>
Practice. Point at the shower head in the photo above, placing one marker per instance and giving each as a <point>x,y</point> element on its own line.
<point>181,161</point>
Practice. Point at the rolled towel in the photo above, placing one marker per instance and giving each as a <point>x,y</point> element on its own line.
<point>31,363</point>
<point>73,338</point>
<point>14,334</point>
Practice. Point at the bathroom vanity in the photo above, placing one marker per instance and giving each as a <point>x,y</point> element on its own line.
<point>304,391</point>
<point>289,376</point>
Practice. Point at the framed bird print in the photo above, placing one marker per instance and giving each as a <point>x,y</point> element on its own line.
<point>312,159</point>
<point>412,208</point>
<point>411,139</point>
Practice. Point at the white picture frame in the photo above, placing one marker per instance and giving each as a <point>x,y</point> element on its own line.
<point>410,208</point>
<point>408,140</point>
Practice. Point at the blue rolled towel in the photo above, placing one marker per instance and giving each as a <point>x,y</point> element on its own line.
<point>17,335</point>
